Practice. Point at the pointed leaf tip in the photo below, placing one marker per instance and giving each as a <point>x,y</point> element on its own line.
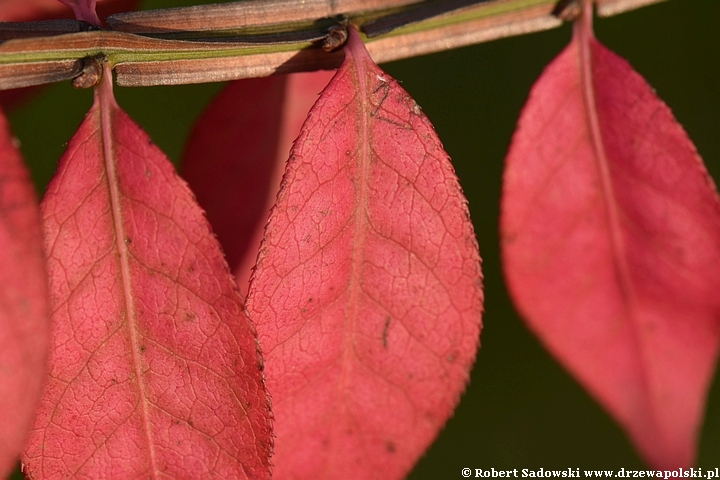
<point>367,294</point>
<point>236,155</point>
<point>24,315</point>
<point>611,245</point>
<point>155,369</point>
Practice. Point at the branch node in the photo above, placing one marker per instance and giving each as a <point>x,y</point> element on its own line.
<point>92,71</point>
<point>568,10</point>
<point>337,35</point>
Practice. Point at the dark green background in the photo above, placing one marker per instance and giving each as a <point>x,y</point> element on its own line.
<point>521,409</point>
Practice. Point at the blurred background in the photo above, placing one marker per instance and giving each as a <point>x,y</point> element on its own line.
<point>521,410</point>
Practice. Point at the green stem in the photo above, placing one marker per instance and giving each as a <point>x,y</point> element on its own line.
<point>229,41</point>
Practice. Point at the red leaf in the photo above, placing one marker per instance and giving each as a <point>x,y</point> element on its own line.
<point>155,370</point>
<point>367,291</point>
<point>84,10</point>
<point>611,245</point>
<point>12,99</point>
<point>236,156</point>
<point>28,10</point>
<point>24,316</point>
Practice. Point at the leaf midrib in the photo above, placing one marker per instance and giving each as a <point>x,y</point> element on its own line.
<point>585,36</point>
<point>357,69</point>
<point>107,109</point>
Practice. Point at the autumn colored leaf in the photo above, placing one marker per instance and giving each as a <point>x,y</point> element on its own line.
<point>155,368</point>
<point>611,245</point>
<point>29,10</point>
<point>367,294</point>
<point>236,154</point>
<point>24,316</point>
<point>11,99</point>
<point>84,10</point>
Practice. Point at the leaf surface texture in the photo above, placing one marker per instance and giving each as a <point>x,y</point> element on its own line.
<point>367,293</point>
<point>611,245</point>
<point>236,154</point>
<point>24,314</point>
<point>155,370</point>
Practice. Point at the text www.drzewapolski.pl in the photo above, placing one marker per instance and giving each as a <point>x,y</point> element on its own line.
<point>707,474</point>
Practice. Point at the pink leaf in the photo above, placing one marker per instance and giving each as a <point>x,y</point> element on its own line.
<point>84,10</point>
<point>367,292</point>
<point>28,10</point>
<point>611,245</point>
<point>155,369</point>
<point>236,156</point>
<point>24,316</point>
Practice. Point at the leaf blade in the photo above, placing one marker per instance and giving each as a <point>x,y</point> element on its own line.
<point>367,290</point>
<point>84,10</point>
<point>611,228</point>
<point>24,314</point>
<point>155,368</point>
<point>26,10</point>
<point>236,154</point>
<point>29,10</point>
